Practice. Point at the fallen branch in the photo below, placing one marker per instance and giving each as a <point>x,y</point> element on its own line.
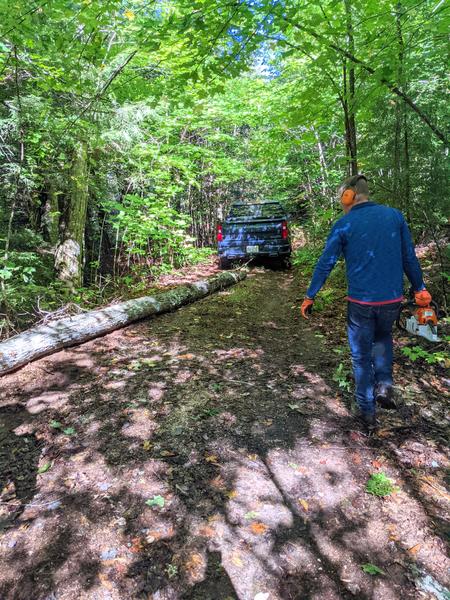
<point>46,339</point>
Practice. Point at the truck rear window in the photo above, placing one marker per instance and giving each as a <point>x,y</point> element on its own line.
<point>268,210</point>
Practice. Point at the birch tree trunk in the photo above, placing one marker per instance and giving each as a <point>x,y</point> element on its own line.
<point>69,253</point>
<point>46,339</point>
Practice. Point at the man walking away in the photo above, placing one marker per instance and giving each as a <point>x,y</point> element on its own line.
<point>377,248</point>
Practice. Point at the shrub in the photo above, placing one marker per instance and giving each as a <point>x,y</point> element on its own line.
<point>380,485</point>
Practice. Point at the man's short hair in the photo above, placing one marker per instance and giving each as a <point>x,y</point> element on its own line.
<point>357,183</point>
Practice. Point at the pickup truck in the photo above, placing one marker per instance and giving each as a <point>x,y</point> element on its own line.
<point>254,230</point>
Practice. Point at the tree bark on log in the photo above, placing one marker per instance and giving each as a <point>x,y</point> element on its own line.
<point>46,339</point>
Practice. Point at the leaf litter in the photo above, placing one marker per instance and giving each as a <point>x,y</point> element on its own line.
<point>263,425</point>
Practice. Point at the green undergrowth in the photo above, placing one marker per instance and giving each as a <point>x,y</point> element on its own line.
<point>371,569</point>
<point>30,294</point>
<point>304,260</point>
<point>380,485</point>
<point>417,353</point>
<point>342,376</point>
<point>241,294</point>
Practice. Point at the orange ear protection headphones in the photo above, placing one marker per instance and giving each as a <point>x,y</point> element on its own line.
<point>348,196</point>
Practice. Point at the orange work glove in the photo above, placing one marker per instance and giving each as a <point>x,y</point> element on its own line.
<point>306,307</point>
<point>422,298</point>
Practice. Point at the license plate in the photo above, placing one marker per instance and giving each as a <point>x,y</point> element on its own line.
<point>252,249</point>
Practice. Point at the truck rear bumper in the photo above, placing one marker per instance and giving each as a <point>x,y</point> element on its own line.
<point>272,251</point>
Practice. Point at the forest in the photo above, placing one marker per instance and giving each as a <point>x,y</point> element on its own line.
<point>128,129</point>
<point>214,452</point>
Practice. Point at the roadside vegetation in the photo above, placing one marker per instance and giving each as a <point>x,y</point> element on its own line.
<point>127,131</point>
<point>213,452</point>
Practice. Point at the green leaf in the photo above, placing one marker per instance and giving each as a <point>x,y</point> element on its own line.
<point>5,273</point>
<point>45,467</point>
<point>55,424</point>
<point>69,431</point>
<point>372,569</point>
<point>380,485</point>
<point>156,501</point>
<point>251,515</point>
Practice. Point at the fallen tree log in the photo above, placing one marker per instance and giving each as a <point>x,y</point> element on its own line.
<point>46,339</point>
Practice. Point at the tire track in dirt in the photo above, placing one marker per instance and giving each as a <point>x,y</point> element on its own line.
<point>224,412</point>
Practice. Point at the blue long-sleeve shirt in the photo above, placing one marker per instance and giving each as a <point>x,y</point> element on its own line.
<point>377,246</point>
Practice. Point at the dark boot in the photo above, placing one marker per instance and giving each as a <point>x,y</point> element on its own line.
<point>369,420</point>
<point>384,396</point>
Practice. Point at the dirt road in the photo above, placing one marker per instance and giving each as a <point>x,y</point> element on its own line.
<point>206,455</point>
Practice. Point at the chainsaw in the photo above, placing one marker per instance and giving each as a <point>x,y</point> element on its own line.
<point>419,320</point>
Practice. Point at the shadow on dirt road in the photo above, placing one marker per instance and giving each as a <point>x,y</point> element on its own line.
<point>204,455</point>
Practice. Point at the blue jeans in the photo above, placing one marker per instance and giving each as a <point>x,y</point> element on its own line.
<point>370,337</point>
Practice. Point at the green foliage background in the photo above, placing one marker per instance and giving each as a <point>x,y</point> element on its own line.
<point>183,107</point>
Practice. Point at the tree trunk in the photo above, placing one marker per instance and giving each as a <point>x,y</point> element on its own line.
<point>402,186</point>
<point>397,174</point>
<point>20,163</point>
<point>46,339</point>
<point>69,253</point>
<point>51,214</point>
<point>357,61</point>
<point>323,163</point>
<point>407,180</point>
<point>350,121</point>
<point>399,111</point>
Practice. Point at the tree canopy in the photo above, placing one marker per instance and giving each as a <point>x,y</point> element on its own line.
<point>128,128</point>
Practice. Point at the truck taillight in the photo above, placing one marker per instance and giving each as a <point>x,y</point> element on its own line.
<point>284,230</point>
<point>219,233</point>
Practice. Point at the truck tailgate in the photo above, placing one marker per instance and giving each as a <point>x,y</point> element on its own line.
<point>252,231</point>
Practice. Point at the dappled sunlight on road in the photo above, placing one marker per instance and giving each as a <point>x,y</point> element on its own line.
<point>47,401</point>
<point>197,456</point>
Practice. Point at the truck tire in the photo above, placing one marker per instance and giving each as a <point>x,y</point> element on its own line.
<point>224,263</point>
<point>286,263</point>
<point>281,263</point>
